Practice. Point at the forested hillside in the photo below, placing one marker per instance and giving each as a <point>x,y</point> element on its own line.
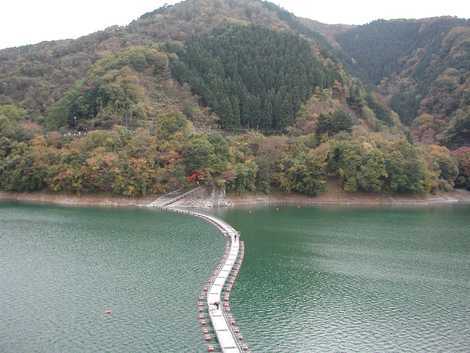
<point>129,88</point>
<point>37,76</point>
<point>242,95</point>
<point>423,68</point>
<point>252,77</point>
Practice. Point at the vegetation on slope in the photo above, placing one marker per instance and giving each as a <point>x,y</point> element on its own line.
<point>422,67</point>
<point>37,76</point>
<point>252,77</point>
<point>128,88</point>
<point>142,162</point>
<point>462,155</point>
<point>105,113</point>
<point>111,89</point>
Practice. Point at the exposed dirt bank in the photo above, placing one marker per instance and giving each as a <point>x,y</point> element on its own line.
<point>247,200</point>
<point>342,198</point>
<point>74,200</point>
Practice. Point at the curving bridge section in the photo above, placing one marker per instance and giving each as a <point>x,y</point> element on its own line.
<point>214,307</point>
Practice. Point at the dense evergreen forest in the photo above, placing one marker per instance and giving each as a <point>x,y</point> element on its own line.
<point>252,77</point>
<point>242,95</point>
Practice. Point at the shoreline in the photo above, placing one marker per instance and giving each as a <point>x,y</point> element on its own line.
<point>247,200</point>
<point>354,200</point>
<point>75,200</point>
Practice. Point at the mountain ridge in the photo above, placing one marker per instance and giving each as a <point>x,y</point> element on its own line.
<point>186,95</point>
<point>422,68</point>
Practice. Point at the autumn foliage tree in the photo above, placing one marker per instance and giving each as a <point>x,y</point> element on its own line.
<point>462,155</point>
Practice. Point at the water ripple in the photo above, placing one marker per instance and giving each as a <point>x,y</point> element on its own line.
<point>61,269</point>
<point>346,280</point>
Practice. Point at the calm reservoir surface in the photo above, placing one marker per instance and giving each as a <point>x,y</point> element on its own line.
<point>313,280</point>
<point>62,268</point>
<point>354,280</point>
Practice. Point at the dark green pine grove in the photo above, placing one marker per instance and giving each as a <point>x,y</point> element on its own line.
<point>252,77</point>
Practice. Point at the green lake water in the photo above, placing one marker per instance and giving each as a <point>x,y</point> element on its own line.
<point>354,280</point>
<point>62,268</point>
<point>313,279</point>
